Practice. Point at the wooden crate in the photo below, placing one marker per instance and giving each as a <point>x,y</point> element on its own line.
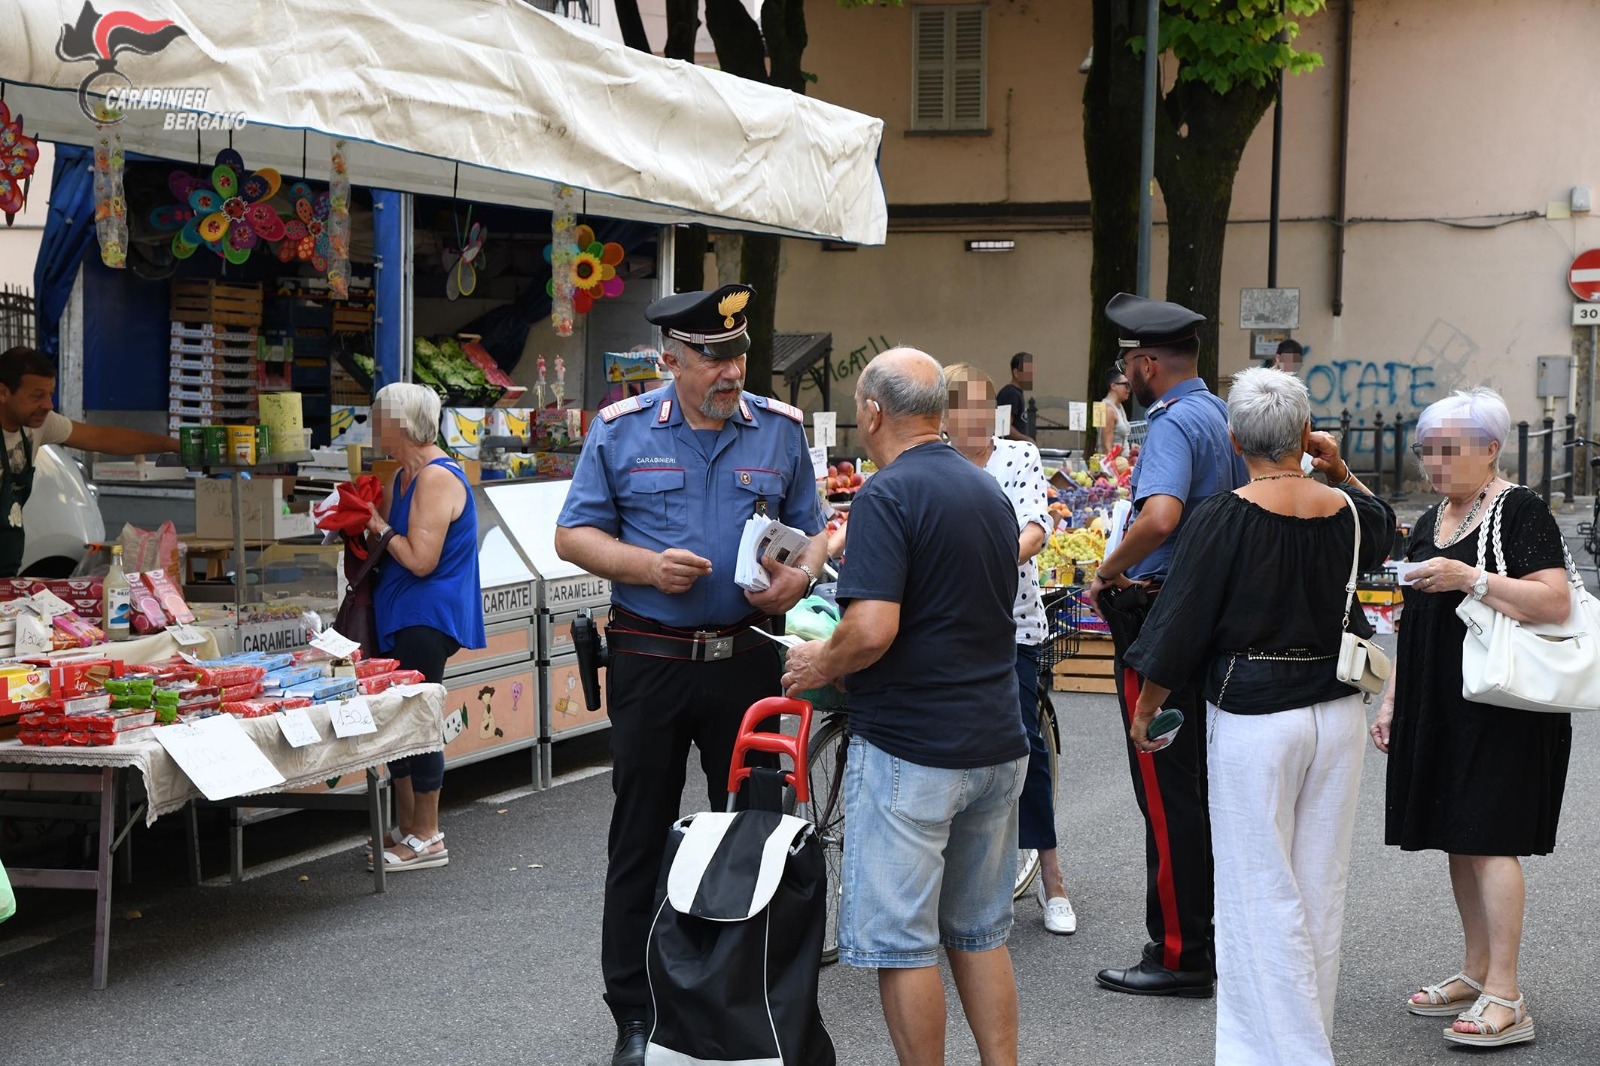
<point>348,319</point>
<point>1090,670</point>
<point>214,302</point>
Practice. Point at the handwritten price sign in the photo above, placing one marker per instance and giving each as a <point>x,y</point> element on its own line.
<point>351,718</point>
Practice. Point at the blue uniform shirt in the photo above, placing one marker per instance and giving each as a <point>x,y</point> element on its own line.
<point>1187,455</point>
<point>648,479</point>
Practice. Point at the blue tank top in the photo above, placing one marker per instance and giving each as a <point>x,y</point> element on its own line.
<point>449,599</point>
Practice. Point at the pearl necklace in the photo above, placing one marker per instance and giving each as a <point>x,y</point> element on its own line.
<point>1438,519</point>
<point>1275,477</point>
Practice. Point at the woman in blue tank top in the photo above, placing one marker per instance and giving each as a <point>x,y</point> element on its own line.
<point>428,602</point>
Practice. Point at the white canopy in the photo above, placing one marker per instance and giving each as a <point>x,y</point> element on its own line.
<point>489,99</point>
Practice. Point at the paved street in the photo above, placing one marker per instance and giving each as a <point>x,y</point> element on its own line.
<point>494,960</point>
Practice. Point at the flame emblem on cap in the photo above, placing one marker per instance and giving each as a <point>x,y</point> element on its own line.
<point>731,305</point>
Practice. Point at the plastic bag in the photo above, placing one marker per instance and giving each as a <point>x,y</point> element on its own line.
<point>144,550</point>
<point>8,899</point>
<point>813,618</point>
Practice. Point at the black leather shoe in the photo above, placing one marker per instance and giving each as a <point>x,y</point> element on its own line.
<point>1152,979</point>
<point>631,1039</point>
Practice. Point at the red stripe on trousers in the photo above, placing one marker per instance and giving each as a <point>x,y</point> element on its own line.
<point>1172,942</point>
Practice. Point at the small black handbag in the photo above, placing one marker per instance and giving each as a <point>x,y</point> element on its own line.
<point>358,618</point>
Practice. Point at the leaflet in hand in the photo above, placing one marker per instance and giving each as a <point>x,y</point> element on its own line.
<point>766,538</point>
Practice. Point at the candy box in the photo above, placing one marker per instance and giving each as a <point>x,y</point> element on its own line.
<point>375,666</point>
<point>21,683</point>
<point>83,676</point>
<point>77,631</point>
<point>326,689</point>
<point>148,615</point>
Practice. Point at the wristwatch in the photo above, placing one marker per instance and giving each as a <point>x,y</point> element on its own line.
<point>812,583</point>
<point>1480,587</point>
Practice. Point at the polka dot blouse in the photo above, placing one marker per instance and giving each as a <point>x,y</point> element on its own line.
<point>1016,465</point>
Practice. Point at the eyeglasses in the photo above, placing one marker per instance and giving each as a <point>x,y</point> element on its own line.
<point>1448,449</point>
<point>1123,384</point>
<point>1122,363</point>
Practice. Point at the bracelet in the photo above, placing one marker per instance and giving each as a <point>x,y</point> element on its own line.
<point>1349,477</point>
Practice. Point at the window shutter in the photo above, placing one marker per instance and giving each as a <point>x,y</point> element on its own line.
<point>929,100</point>
<point>966,69</point>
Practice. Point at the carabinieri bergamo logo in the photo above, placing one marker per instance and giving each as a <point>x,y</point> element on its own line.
<point>100,39</point>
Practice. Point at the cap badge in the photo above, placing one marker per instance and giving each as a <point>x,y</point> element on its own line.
<point>731,305</point>
<point>744,477</point>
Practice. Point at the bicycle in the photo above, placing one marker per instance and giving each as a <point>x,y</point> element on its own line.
<point>1590,530</point>
<point>830,743</point>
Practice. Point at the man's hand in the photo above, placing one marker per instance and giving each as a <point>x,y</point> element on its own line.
<point>801,673</point>
<point>676,570</point>
<point>787,589</point>
<point>1099,585</point>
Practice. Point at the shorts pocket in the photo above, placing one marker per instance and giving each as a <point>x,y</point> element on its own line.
<point>927,796</point>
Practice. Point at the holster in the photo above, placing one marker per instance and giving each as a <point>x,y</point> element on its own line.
<point>592,653</point>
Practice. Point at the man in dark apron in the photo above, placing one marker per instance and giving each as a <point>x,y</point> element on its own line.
<point>30,421</point>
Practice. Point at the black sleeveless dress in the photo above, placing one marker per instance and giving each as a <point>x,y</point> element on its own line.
<point>1468,778</point>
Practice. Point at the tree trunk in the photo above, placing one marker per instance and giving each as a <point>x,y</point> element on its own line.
<point>689,264</point>
<point>1200,137</point>
<point>683,23</point>
<point>1113,91</point>
<point>759,262</point>
<point>631,25</point>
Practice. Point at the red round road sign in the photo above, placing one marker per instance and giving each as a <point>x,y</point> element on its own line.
<point>1584,277</point>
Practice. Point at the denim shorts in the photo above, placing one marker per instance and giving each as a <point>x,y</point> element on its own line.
<point>930,858</point>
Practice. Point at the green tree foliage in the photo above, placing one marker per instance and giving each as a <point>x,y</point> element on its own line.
<point>1228,55</point>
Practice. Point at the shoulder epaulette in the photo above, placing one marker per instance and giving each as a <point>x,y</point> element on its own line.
<point>787,410</point>
<point>620,408</point>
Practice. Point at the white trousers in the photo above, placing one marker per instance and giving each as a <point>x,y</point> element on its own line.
<point>1283,812</point>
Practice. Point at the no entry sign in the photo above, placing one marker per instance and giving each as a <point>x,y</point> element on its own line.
<point>1584,277</point>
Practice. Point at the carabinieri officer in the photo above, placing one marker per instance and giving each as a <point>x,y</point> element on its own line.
<point>657,506</point>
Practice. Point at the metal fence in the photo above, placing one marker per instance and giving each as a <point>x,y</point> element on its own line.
<point>16,318</point>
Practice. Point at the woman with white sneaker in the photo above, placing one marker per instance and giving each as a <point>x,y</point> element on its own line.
<point>1262,577</point>
<point>1015,464</point>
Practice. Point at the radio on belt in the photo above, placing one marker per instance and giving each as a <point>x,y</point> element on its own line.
<point>592,656</point>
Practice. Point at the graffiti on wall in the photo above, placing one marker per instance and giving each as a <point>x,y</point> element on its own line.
<point>848,367</point>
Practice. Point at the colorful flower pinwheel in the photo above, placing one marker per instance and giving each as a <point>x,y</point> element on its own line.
<point>593,268</point>
<point>229,216</point>
<point>19,154</point>
<point>305,236</point>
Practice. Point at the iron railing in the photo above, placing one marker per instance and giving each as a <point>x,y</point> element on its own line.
<point>16,318</point>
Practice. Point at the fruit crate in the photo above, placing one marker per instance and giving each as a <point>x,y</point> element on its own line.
<point>215,303</point>
<point>346,390</point>
<point>348,319</point>
<point>1091,669</point>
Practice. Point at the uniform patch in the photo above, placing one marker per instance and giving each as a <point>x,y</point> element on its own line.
<point>620,408</point>
<point>744,409</point>
<point>666,411</point>
<point>787,410</point>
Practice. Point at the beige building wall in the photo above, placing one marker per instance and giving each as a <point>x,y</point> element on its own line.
<point>1469,124</point>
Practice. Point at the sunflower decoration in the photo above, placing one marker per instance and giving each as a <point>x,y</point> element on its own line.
<point>593,268</point>
<point>19,154</point>
<point>306,236</point>
<point>229,214</point>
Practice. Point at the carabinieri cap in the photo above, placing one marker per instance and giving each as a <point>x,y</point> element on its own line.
<point>1151,323</point>
<point>713,323</point>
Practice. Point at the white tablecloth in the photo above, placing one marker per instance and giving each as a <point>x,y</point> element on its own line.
<point>410,721</point>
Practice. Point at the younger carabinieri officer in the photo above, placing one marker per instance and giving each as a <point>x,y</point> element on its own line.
<point>657,506</point>
<point>1187,456</point>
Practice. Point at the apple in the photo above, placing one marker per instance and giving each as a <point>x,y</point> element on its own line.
<point>856,480</point>
<point>846,467</point>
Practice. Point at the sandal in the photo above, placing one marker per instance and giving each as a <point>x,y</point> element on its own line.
<point>394,837</point>
<point>1490,1034</point>
<point>421,857</point>
<point>1440,1005</point>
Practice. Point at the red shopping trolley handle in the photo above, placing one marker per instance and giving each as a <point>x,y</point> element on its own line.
<point>749,740</point>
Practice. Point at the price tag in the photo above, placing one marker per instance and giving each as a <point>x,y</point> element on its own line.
<point>1002,421</point>
<point>1077,415</point>
<point>33,636</point>
<point>298,729</point>
<point>49,604</point>
<point>825,429</point>
<point>334,643</point>
<point>819,462</point>
<point>1099,415</point>
<point>352,718</point>
<point>219,757</point>
<point>186,635</point>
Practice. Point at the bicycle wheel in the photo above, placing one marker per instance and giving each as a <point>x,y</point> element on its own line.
<point>825,779</point>
<point>1028,858</point>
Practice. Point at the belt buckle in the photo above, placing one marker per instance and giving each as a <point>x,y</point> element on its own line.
<point>710,648</point>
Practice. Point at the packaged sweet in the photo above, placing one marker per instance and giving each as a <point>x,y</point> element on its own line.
<point>142,687</point>
<point>130,736</point>
<point>373,667</point>
<point>371,686</point>
<point>167,595</point>
<point>81,633</point>
<point>325,689</point>
<point>228,676</point>
<point>86,704</point>
<point>297,675</point>
<point>83,676</point>
<point>252,708</point>
<point>148,617</point>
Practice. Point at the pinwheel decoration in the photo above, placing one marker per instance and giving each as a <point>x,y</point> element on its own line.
<point>461,266</point>
<point>19,154</point>
<point>305,236</point>
<point>230,215</point>
<point>593,268</point>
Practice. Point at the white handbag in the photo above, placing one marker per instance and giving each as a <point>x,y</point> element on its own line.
<point>1362,664</point>
<point>1533,666</point>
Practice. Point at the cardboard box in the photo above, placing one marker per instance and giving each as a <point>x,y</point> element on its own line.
<point>350,424</point>
<point>21,683</point>
<point>463,430</point>
<point>262,500</point>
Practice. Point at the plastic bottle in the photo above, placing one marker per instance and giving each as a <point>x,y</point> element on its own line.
<point>117,610</point>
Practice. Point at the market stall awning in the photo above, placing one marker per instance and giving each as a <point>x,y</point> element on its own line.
<point>488,100</point>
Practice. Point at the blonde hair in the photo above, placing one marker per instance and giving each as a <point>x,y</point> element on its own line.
<point>961,373</point>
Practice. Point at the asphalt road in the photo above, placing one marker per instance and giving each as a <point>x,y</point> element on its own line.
<point>494,959</point>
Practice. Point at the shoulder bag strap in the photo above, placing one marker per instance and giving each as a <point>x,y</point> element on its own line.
<point>1355,563</point>
<point>373,555</point>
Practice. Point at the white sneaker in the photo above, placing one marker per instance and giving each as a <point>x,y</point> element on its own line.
<point>1059,917</point>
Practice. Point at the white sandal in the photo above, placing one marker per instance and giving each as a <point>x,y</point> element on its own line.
<point>421,857</point>
<point>394,837</point>
<point>1440,1005</point>
<point>1489,1034</point>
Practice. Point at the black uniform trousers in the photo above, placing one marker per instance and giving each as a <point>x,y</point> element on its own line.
<point>1170,786</point>
<point>657,706</point>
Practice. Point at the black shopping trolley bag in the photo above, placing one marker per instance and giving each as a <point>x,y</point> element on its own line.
<point>736,944</point>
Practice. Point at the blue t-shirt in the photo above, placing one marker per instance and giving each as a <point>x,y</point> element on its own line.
<point>450,598</point>
<point>1186,455</point>
<point>937,535</point>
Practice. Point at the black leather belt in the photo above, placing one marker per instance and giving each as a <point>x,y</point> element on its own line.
<point>703,645</point>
